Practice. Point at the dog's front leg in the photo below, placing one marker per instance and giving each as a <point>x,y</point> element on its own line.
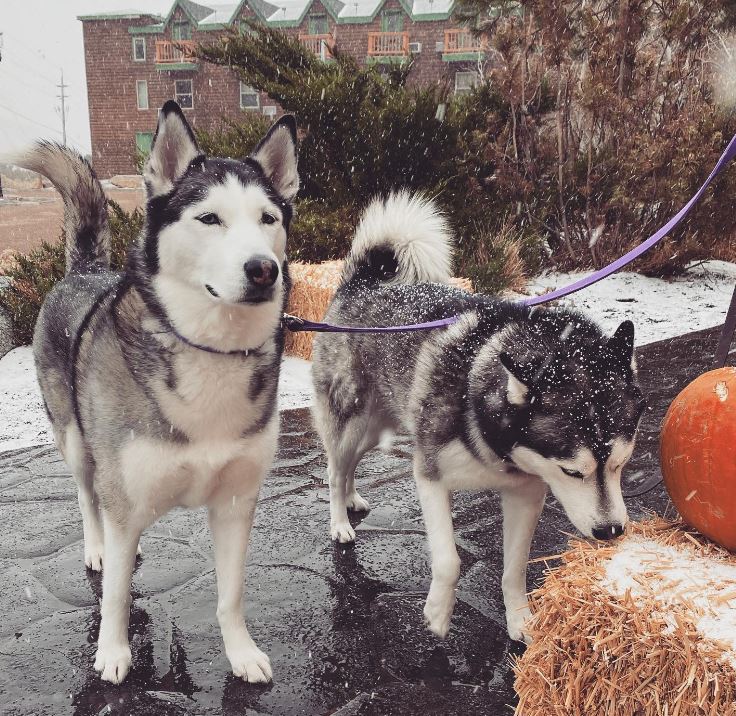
<point>435,500</point>
<point>231,520</point>
<point>522,506</point>
<point>113,657</point>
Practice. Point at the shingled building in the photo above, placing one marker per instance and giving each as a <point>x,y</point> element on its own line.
<point>136,61</point>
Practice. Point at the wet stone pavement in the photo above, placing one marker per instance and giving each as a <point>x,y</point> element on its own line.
<point>341,624</point>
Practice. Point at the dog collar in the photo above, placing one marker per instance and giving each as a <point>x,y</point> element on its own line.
<point>208,349</point>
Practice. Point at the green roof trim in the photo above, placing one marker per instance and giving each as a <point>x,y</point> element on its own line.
<point>173,66</point>
<point>208,27</point>
<point>432,17</point>
<point>462,56</point>
<point>119,16</point>
<point>388,60</point>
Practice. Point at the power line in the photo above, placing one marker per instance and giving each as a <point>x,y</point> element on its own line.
<point>36,55</point>
<point>28,68</point>
<point>26,84</point>
<point>28,119</point>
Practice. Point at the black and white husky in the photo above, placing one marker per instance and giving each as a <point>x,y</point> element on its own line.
<point>161,382</point>
<point>509,398</point>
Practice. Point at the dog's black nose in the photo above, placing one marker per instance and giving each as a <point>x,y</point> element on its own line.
<point>262,271</point>
<point>608,531</point>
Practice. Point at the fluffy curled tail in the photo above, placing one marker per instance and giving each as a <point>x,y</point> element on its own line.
<point>403,238</point>
<point>85,209</point>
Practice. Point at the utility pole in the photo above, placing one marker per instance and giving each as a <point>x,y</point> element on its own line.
<point>62,97</point>
<point>1,59</point>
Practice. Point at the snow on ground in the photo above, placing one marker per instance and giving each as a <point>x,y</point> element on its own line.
<point>659,308</point>
<point>23,420</point>
<point>680,580</point>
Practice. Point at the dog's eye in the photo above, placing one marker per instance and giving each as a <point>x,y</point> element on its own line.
<point>267,218</point>
<point>209,218</point>
<point>571,473</point>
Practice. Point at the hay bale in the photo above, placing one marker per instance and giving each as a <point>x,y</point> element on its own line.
<point>312,289</point>
<point>642,627</point>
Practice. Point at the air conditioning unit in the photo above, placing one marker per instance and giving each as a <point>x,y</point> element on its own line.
<point>415,47</point>
<point>269,110</point>
<point>439,46</point>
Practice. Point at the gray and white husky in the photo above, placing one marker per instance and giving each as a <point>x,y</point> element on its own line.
<point>161,381</point>
<point>509,398</point>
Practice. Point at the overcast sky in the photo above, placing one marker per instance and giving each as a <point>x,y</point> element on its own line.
<point>40,38</point>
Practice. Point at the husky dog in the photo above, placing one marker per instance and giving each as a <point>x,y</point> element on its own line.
<point>160,382</point>
<point>509,398</point>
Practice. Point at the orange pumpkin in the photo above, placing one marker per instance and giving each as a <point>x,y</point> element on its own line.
<point>698,455</point>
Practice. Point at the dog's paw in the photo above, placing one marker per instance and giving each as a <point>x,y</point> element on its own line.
<point>113,662</point>
<point>342,532</point>
<point>356,503</point>
<point>93,555</point>
<point>250,664</point>
<point>437,614</point>
<point>516,624</point>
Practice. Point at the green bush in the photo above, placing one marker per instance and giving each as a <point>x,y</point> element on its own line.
<point>35,273</point>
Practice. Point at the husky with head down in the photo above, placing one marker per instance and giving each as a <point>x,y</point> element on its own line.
<point>160,382</point>
<point>510,398</point>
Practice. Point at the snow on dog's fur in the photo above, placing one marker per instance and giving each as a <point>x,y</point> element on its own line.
<point>509,398</point>
<point>160,382</point>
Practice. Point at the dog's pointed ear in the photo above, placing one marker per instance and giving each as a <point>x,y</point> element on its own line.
<point>621,343</point>
<point>174,147</point>
<point>277,155</point>
<point>517,387</point>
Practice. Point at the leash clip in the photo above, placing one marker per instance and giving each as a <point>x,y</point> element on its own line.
<point>293,323</point>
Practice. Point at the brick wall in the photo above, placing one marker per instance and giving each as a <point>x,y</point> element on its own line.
<point>112,73</point>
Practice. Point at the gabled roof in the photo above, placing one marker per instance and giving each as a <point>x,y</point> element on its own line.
<point>280,13</point>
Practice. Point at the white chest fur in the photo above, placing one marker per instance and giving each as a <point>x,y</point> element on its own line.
<point>212,403</point>
<point>160,475</point>
<point>211,398</point>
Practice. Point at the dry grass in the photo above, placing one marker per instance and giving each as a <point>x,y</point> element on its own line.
<point>313,286</point>
<point>594,653</point>
<point>7,260</point>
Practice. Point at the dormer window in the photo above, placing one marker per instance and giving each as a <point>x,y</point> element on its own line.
<point>181,30</point>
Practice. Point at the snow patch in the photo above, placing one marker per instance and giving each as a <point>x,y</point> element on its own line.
<point>659,308</point>
<point>678,578</point>
<point>23,420</point>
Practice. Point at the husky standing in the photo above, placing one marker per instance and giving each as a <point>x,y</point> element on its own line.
<point>161,382</point>
<point>509,398</point>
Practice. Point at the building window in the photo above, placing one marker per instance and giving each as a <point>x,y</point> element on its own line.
<point>249,97</point>
<point>139,49</point>
<point>392,21</point>
<point>181,31</point>
<point>465,81</point>
<point>183,93</point>
<point>317,25</point>
<point>141,92</point>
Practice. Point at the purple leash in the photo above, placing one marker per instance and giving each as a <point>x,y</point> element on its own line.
<point>294,323</point>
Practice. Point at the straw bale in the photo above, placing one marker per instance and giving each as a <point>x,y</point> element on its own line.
<point>312,289</point>
<point>595,653</point>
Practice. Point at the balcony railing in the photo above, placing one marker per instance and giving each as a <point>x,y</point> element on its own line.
<point>321,45</point>
<point>170,52</point>
<point>387,44</point>
<point>461,40</point>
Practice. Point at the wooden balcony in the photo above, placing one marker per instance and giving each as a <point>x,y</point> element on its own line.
<point>320,45</point>
<point>170,52</point>
<point>461,40</point>
<point>388,44</point>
